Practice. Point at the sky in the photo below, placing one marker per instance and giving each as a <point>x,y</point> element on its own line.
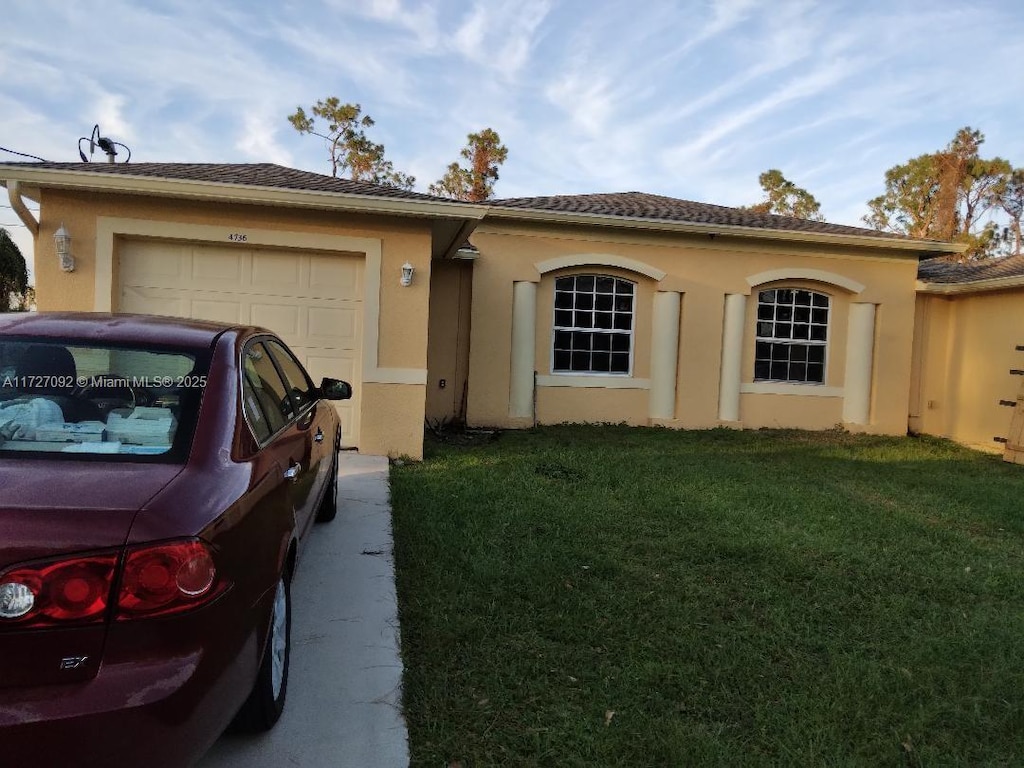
<point>687,98</point>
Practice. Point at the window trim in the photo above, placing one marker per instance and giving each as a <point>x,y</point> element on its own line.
<point>631,333</point>
<point>826,344</point>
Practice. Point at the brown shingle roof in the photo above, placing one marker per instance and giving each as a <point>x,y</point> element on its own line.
<point>948,272</point>
<point>249,174</point>
<point>643,205</point>
<point>625,205</point>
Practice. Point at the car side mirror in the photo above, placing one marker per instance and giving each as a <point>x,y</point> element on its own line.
<point>335,389</point>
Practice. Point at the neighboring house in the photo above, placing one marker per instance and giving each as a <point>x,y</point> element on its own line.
<point>969,341</point>
<point>626,307</point>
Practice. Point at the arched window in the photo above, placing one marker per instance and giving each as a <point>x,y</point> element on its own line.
<point>593,325</point>
<point>792,336</point>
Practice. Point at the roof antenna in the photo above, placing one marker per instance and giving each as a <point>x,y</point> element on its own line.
<point>107,145</point>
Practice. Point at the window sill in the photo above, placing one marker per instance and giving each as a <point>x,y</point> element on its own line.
<point>593,381</point>
<point>801,390</point>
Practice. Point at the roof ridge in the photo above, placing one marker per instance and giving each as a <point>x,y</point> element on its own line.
<point>651,206</point>
<point>267,175</point>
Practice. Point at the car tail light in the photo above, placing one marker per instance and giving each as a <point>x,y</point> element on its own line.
<point>167,578</point>
<point>72,591</point>
<point>156,580</point>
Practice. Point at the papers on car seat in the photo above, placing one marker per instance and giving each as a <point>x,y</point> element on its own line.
<point>79,432</point>
<point>143,426</point>
<point>20,420</point>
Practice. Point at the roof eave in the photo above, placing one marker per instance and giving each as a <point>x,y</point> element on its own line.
<point>974,286</point>
<point>920,247</point>
<point>238,193</point>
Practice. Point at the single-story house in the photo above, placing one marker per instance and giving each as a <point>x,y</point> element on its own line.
<point>627,307</point>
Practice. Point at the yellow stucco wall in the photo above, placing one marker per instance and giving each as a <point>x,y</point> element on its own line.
<point>704,270</point>
<point>402,328</point>
<point>556,405</point>
<point>473,303</point>
<point>964,349</point>
<point>393,420</point>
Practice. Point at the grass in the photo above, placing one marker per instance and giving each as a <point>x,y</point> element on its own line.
<point>606,596</point>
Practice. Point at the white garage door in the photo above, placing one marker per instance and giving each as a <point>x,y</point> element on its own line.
<point>311,300</point>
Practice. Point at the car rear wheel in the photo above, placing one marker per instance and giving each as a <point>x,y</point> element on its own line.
<point>328,509</point>
<point>266,701</point>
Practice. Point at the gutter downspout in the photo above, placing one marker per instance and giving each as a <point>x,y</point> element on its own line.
<point>14,193</point>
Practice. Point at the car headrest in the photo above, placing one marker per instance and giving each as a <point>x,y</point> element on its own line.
<point>48,368</point>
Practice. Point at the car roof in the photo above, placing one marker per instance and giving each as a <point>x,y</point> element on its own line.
<point>124,328</point>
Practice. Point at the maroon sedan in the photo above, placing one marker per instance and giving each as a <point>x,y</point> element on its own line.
<point>158,478</point>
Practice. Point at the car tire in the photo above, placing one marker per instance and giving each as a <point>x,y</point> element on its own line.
<point>328,508</point>
<point>265,704</point>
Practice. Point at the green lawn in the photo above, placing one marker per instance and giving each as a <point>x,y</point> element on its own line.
<point>606,596</point>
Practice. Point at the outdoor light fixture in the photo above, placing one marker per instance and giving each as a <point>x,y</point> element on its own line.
<point>62,240</point>
<point>407,270</point>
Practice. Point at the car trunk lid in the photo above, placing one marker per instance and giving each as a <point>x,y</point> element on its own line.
<point>53,510</point>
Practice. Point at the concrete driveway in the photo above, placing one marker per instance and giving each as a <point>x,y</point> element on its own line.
<point>344,689</point>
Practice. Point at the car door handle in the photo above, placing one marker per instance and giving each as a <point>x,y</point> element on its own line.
<point>293,472</point>
<point>319,436</point>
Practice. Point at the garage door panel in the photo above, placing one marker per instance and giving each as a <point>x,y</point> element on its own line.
<point>312,300</point>
<point>179,303</point>
<point>219,267</point>
<point>337,367</point>
<point>319,365</point>
<point>333,326</point>
<point>153,301</point>
<point>283,319</point>
<point>333,277</point>
<point>218,311</point>
<point>276,273</point>
<point>348,416</point>
<point>151,262</point>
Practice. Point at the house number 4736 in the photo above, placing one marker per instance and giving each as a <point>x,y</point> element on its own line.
<point>237,237</point>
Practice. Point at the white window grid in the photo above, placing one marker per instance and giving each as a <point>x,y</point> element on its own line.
<point>791,340</point>
<point>594,320</point>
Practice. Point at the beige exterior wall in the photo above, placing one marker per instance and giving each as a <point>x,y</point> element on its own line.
<point>703,271</point>
<point>456,321</point>
<point>451,294</point>
<point>395,342</point>
<point>964,349</point>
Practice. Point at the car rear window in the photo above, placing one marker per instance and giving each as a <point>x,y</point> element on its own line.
<point>113,402</point>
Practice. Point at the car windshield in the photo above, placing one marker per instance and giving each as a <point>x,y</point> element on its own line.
<point>77,400</point>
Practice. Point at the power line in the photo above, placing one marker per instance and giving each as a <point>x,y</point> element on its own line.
<point>22,154</point>
<point>11,225</point>
<point>34,210</point>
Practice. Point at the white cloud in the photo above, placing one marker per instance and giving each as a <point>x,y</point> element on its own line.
<point>109,111</point>
<point>725,15</point>
<point>258,139</point>
<point>794,90</point>
<point>418,18</point>
<point>500,35</point>
<point>587,101</point>
<point>690,99</point>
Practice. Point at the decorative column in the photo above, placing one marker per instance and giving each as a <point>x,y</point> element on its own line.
<point>664,355</point>
<point>732,357</point>
<point>524,334</point>
<point>860,351</point>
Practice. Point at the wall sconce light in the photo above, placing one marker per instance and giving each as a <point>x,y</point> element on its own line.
<point>62,240</point>
<point>407,271</point>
